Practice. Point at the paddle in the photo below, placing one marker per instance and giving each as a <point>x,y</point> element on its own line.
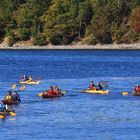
<point>12,113</point>
<point>82,90</point>
<point>22,88</point>
<point>13,87</point>
<point>104,84</point>
<point>40,94</point>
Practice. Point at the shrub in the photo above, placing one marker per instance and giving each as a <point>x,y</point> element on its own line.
<point>40,40</point>
<point>24,34</point>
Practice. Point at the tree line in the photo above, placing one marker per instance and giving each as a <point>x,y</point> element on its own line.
<point>66,21</point>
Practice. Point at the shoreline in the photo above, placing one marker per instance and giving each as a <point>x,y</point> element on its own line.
<point>135,46</point>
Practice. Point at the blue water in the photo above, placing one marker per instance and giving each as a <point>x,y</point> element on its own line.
<point>75,116</point>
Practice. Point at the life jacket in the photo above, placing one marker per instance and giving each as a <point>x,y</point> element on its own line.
<point>9,97</point>
<point>50,92</point>
<point>92,87</point>
<point>30,79</point>
<point>56,91</point>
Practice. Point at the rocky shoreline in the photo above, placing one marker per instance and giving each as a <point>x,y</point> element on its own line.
<point>135,46</point>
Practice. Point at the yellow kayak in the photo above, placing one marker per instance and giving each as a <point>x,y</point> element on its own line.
<point>96,91</point>
<point>30,83</point>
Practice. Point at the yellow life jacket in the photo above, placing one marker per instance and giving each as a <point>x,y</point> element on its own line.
<point>8,97</point>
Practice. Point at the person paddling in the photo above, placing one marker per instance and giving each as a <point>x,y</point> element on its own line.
<point>56,90</point>
<point>16,96</point>
<point>49,92</point>
<point>30,79</point>
<point>99,86</point>
<point>24,78</point>
<point>92,86</point>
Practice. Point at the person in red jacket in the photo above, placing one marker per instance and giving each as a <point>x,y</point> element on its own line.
<point>92,86</point>
<point>56,90</point>
<point>50,91</point>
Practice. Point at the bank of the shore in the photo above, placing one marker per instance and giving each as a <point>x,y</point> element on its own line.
<point>135,46</point>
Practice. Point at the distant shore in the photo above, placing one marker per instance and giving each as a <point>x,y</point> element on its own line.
<point>135,46</point>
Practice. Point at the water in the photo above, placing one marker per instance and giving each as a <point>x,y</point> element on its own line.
<point>75,116</point>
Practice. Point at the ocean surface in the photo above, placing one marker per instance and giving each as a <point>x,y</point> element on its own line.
<point>75,116</point>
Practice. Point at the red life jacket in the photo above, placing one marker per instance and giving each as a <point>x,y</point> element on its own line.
<point>50,92</point>
<point>56,91</point>
<point>92,87</point>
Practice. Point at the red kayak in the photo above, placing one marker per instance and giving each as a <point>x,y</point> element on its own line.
<point>51,96</point>
<point>9,102</point>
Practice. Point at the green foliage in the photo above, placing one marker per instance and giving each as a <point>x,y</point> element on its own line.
<point>40,40</point>
<point>65,21</point>
<point>24,34</point>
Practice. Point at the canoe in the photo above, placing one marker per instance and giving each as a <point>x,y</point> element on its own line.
<point>30,83</point>
<point>96,91</point>
<point>136,93</point>
<point>9,102</point>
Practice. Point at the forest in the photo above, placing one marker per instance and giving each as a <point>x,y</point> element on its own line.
<point>63,22</point>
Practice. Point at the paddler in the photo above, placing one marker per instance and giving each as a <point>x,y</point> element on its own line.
<point>92,86</point>
<point>24,78</point>
<point>16,96</point>
<point>99,86</point>
<point>56,90</point>
<point>50,91</point>
<point>30,79</point>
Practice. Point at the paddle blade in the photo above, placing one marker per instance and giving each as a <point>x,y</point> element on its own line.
<point>22,88</point>
<point>12,113</point>
<point>103,83</point>
<point>82,90</point>
<point>63,92</point>
<point>125,93</point>
<point>40,94</point>
<point>13,87</point>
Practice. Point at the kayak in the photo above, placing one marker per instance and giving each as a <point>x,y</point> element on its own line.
<point>30,83</point>
<point>51,96</point>
<point>136,93</point>
<point>96,91</point>
<point>4,114</point>
<point>9,102</point>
